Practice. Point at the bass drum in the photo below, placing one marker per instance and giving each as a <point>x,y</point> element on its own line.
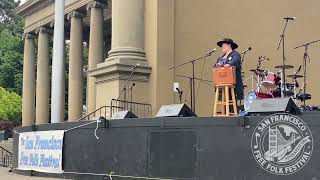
<point>252,95</point>
<point>271,81</point>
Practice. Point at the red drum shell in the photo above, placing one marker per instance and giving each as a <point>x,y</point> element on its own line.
<point>271,81</point>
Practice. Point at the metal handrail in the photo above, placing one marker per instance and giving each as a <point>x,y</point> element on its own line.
<point>87,117</point>
<point>120,105</point>
<point>140,109</point>
<point>6,157</point>
<point>101,112</point>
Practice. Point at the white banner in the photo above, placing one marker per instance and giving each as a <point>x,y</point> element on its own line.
<point>41,151</point>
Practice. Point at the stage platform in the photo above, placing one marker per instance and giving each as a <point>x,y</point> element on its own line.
<point>176,148</point>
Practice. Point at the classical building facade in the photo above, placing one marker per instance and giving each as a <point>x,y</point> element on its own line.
<point>156,34</point>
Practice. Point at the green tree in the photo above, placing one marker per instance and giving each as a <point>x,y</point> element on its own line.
<point>10,106</point>
<point>11,58</point>
<point>8,18</point>
<point>11,47</point>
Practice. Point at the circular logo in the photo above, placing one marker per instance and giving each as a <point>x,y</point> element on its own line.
<point>282,144</point>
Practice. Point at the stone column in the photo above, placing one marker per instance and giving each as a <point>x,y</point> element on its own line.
<point>75,67</point>
<point>127,31</point>
<point>95,50</point>
<point>28,89</point>
<point>42,89</point>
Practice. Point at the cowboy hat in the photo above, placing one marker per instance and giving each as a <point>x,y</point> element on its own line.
<point>228,41</point>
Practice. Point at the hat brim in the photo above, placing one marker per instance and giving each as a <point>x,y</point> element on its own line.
<point>233,45</point>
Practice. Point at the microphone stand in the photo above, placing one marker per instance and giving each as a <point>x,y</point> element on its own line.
<point>282,40</point>
<point>195,78</point>
<point>244,54</point>
<point>124,89</point>
<point>192,79</point>
<point>180,94</point>
<point>131,90</point>
<point>305,57</point>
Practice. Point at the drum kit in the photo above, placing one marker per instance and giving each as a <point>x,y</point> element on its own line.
<point>274,84</point>
<point>269,83</point>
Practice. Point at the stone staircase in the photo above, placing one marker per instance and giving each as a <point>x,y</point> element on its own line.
<point>5,153</point>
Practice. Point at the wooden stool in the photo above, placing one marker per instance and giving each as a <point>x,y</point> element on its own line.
<point>225,100</point>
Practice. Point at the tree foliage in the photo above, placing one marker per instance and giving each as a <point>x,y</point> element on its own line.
<point>11,61</point>
<point>10,106</point>
<point>11,47</point>
<point>11,53</point>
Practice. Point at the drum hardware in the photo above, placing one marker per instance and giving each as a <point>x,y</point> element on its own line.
<point>260,60</point>
<point>303,97</point>
<point>284,67</point>
<point>295,76</point>
<point>282,41</point>
<point>258,74</point>
<point>252,82</point>
<point>282,79</point>
<point>305,57</point>
<point>258,71</point>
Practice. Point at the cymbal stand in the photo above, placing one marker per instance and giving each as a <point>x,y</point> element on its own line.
<point>305,57</point>
<point>282,40</point>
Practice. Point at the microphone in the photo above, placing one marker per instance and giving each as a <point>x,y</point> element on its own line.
<point>133,84</point>
<point>248,49</point>
<point>290,18</point>
<point>212,51</point>
<point>178,90</point>
<point>134,67</point>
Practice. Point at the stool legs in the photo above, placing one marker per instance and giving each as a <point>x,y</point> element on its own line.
<point>225,101</point>
<point>234,103</point>
<point>216,101</point>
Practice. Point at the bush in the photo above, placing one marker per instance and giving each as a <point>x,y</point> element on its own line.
<point>10,106</point>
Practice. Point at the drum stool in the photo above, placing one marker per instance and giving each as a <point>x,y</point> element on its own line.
<point>225,101</point>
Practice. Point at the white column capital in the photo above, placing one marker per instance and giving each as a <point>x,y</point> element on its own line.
<point>28,36</point>
<point>44,30</point>
<point>76,14</point>
<point>96,4</point>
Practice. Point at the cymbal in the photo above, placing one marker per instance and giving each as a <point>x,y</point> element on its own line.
<point>295,76</point>
<point>285,67</point>
<point>257,70</point>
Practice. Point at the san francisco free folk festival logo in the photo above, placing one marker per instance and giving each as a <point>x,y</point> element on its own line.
<point>282,144</point>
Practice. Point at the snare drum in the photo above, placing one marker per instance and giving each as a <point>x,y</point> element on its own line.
<point>271,81</point>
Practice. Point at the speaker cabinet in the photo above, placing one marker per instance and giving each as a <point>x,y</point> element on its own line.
<point>123,115</point>
<point>175,110</point>
<point>273,105</point>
